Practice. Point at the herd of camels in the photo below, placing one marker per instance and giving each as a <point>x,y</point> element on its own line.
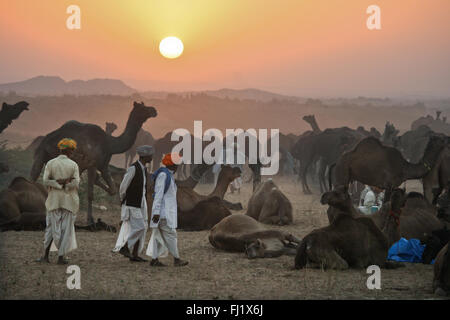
<point>347,157</point>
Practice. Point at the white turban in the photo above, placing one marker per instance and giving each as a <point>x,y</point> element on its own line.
<point>145,151</point>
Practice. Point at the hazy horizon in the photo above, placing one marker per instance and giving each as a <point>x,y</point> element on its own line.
<point>301,48</point>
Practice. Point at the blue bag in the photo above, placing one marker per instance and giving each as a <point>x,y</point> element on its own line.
<point>406,251</point>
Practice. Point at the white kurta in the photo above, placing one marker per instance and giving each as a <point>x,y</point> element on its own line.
<point>62,204</point>
<point>369,201</point>
<point>134,220</point>
<point>164,235</point>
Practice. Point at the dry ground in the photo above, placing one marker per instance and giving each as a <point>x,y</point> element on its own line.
<point>211,274</point>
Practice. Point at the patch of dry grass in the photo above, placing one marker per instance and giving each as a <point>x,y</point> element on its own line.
<point>211,274</point>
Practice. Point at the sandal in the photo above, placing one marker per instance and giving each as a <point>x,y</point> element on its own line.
<point>157,263</point>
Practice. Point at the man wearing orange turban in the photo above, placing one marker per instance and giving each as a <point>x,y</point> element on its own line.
<point>62,178</point>
<point>164,213</point>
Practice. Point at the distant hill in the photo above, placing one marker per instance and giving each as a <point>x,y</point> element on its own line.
<point>49,85</point>
<point>240,94</point>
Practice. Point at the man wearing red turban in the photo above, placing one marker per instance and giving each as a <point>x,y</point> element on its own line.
<point>164,213</point>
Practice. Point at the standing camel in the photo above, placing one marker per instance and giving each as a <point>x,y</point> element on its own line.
<point>374,164</point>
<point>95,149</point>
<point>110,127</point>
<point>8,113</point>
<point>143,138</point>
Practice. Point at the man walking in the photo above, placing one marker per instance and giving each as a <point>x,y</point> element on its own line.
<point>164,213</point>
<point>133,191</point>
<point>62,178</point>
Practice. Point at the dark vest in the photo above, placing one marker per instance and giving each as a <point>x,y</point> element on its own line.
<point>133,196</point>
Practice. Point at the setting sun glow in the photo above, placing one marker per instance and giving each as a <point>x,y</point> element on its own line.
<point>171,47</point>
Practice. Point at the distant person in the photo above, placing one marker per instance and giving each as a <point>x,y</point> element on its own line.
<point>62,178</point>
<point>133,191</point>
<point>369,202</point>
<point>164,213</point>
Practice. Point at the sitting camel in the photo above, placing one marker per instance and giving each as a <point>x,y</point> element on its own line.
<point>387,219</point>
<point>418,217</point>
<point>269,205</point>
<point>196,211</point>
<point>241,233</point>
<point>441,280</point>
<point>346,243</point>
<point>22,207</point>
<point>203,216</point>
<point>187,198</point>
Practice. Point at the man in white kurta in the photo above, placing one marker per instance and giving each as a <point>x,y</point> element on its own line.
<point>164,216</point>
<point>61,177</point>
<point>132,192</point>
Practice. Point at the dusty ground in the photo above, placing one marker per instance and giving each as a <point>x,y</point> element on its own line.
<point>211,274</point>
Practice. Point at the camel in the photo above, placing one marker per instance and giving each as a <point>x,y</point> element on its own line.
<point>269,205</point>
<point>9,112</point>
<point>438,177</point>
<point>143,138</point>
<point>441,279</point>
<point>325,146</point>
<point>412,143</point>
<point>311,119</point>
<point>389,136</point>
<point>34,144</point>
<point>387,219</point>
<point>434,242</point>
<point>418,217</point>
<point>94,150</point>
<point>110,127</point>
<point>204,215</point>
<point>200,212</point>
<point>22,207</point>
<point>242,233</point>
<point>374,164</point>
<point>346,243</point>
<point>437,124</point>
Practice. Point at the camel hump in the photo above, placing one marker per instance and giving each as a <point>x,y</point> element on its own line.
<point>18,180</point>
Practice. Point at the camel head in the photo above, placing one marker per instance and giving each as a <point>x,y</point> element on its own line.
<point>141,112</point>
<point>230,173</point>
<point>12,112</point>
<point>375,133</point>
<point>309,118</point>
<point>110,127</point>
<point>337,198</point>
<point>398,199</point>
<point>435,145</point>
<point>255,249</point>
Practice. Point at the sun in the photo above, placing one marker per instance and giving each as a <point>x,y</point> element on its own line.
<point>171,47</point>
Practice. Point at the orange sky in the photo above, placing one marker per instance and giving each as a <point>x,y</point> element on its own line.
<point>301,47</point>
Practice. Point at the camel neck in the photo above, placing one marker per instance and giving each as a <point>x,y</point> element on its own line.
<point>221,187</point>
<point>124,142</point>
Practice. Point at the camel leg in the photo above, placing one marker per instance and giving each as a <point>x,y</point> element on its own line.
<point>91,179</point>
<point>36,169</point>
<point>322,182</point>
<point>112,189</point>
<point>304,181</point>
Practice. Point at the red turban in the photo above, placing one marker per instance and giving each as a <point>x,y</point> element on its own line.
<point>170,159</point>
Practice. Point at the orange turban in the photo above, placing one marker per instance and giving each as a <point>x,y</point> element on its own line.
<point>67,143</point>
<point>170,159</point>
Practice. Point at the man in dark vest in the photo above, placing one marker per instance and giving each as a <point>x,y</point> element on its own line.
<point>134,207</point>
